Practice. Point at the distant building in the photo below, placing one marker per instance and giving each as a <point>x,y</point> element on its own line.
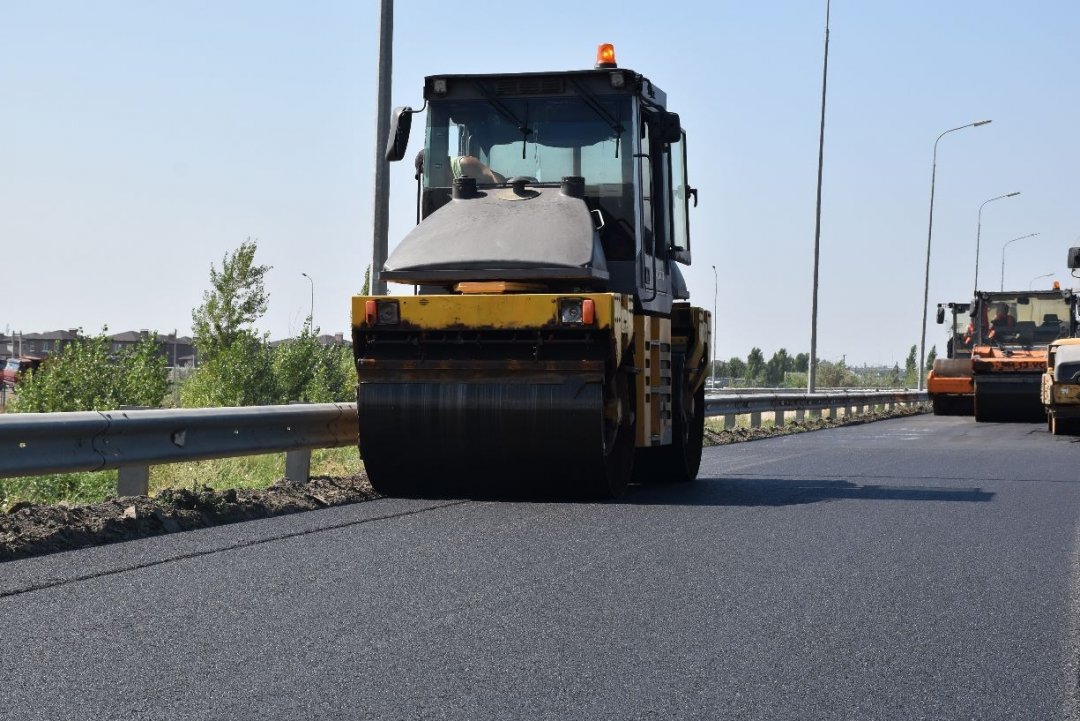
<point>179,351</point>
<point>43,344</point>
<point>325,339</point>
<point>335,339</point>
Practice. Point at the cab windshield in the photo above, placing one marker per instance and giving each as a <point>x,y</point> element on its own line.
<point>961,341</point>
<point>543,139</point>
<point>1022,319</point>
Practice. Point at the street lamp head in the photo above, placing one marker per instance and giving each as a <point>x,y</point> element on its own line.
<point>1012,195</point>
<point>980,122</point>
<point>305,275</point>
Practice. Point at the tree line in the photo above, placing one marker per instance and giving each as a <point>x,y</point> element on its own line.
<point>238,364</point>
<point>784,370</point>
<point>240,367</point>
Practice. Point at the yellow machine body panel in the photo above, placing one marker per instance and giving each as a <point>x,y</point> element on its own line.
<point>496,310</point>
<point>1060,395</point>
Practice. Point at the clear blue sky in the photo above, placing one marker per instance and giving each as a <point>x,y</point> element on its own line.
<point>141,140</point>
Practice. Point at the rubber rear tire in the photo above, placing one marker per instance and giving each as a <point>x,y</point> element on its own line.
<point>616,469</point>
<point>680,461</point>
<point>1062,427</point>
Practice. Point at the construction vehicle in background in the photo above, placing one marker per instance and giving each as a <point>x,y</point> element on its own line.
<point>1060,391</point>
<point>950,383</point>
<point>551,339</point>
<point>1061,386</point>
<point>1010,333</point>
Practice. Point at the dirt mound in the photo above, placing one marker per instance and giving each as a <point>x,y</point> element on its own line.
<point>29,529</point>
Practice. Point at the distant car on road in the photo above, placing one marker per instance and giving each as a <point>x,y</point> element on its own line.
<point>15,367</point>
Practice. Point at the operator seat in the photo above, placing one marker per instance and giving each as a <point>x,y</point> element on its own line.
<point>1050,328</point>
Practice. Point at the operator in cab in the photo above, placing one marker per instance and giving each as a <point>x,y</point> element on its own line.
<point>1002,318</point>
<point>473,167</point>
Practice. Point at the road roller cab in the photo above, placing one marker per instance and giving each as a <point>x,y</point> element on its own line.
<point>1010,333</point>
<point>949,383</point>
<point>548,335</point>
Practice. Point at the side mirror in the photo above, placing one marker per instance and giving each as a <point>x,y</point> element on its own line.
<point>940,314</point>
<point>1074,258</point>
<point>400,125</point>
<point>670,128</point>
<point>680,255</point>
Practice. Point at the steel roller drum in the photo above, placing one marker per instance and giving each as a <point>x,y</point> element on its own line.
<point>437,435</point>
<point>952,367</point>
<point>1008,397</point>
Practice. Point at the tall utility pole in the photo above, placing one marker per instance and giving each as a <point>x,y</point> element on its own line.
<point>712,345</point>
<point>811,375</point>
<point>382,130</point>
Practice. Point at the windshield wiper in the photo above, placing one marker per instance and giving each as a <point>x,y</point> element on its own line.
<point>501,109</point>
<point>594,105</point>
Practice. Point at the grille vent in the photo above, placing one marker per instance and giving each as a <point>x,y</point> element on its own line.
<point>529,86</point>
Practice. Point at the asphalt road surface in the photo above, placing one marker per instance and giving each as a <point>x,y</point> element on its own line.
<point>918,568</point>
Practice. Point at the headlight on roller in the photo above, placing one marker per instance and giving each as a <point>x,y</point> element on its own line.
<point>381,312</point>
<point>388,312</point>
<point>577,311</point>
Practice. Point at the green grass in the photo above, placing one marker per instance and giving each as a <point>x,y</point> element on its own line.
<point>742,420</point>
<point>241,472</point>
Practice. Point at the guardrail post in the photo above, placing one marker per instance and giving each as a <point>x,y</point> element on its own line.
<point>298,466</point>
<point>729,421</point>
<point>133,480</point>
<point>778,417</point>
<point>298,462</point>
<point>800,414</point>
<point>755,419</point>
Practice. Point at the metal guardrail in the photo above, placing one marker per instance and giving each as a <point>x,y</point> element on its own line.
<point>133,440</point>
<point>731,405</point>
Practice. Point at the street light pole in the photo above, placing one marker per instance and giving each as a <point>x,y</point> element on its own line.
<point>311,314</point>
<point>1007,244</point>
<point>978,233</point>
<point>712,347</point>
<point>929,236</point>
<point>1031,285</point>
<point>381,214</point>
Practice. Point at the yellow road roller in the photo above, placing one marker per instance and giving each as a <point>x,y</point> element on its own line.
<point>548,338</point>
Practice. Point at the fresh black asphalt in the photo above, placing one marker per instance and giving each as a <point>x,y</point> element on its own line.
<point>918,568</point>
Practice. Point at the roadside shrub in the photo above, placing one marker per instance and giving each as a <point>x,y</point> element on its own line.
<point>84,376</point>
<point>240,374</point>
